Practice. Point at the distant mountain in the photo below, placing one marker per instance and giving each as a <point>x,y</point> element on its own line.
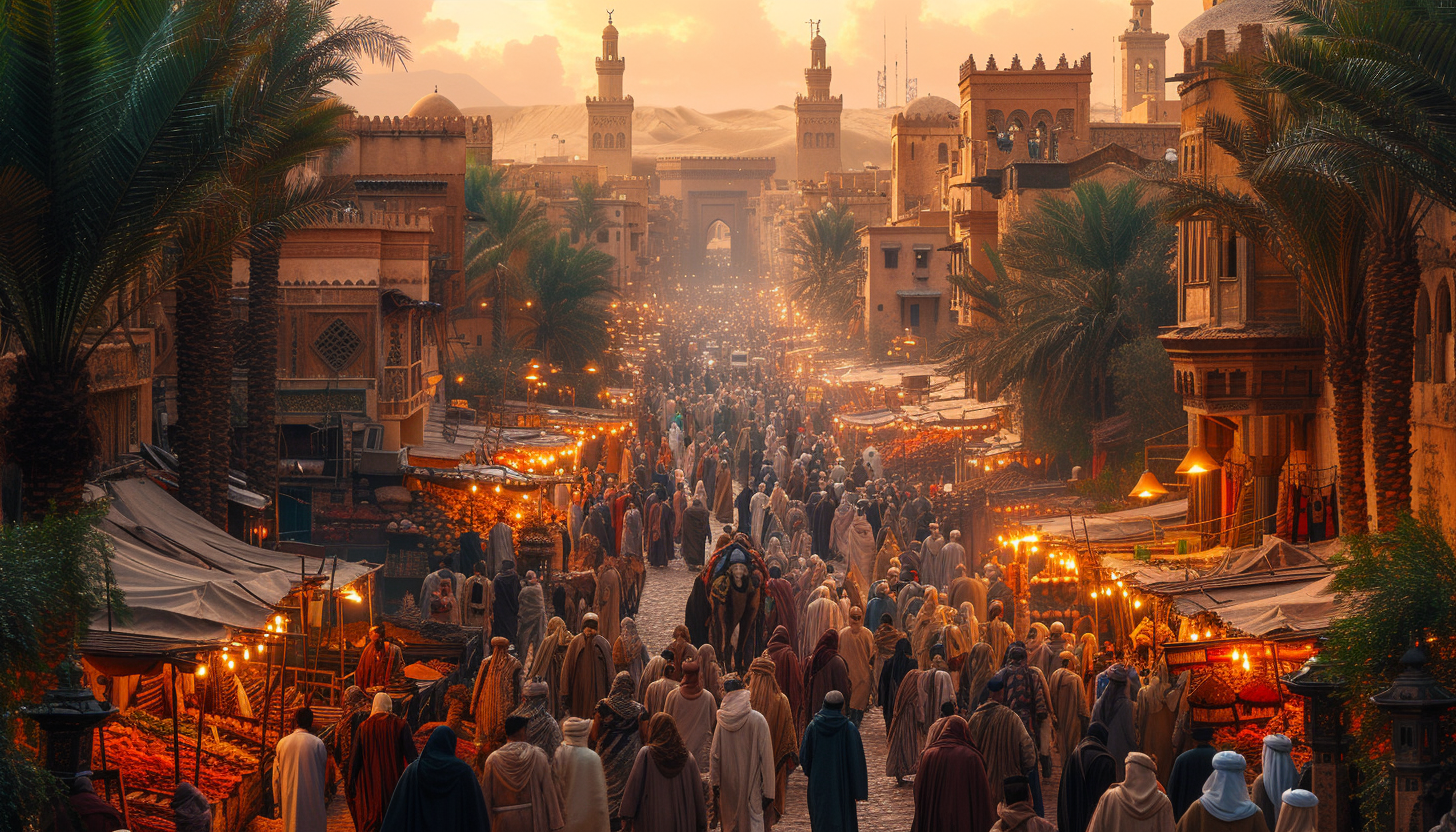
<point>524,133</point>
<point>393,93</point>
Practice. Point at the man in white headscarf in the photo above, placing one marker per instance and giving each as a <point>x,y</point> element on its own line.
<point>1136,804</point>
<point>1279,775</point>
<point>1225,805</point>
<point>758,507</point>
<point>741,762</point>
<point>580,779</point>
<point>1301,810</point>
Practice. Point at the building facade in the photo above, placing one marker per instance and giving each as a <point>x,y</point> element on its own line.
<point>924,152</point>
<point>609,112</point>
<point>817,133</point>
<point>907,293</point>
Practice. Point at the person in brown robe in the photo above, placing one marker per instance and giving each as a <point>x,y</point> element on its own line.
<point>1001,736</point>
<point>1015,813</point>
<point>682,649</point>
<point>857,648</point>
<point>998,635</point>
<point>383,747</point>
<point>902,755</point>
<point>951,791</point>
<point>517,785</point>
<point>825,670</point>
<point>1225,805</point>
<point>379,661</point>
<point>788,673</point>
<point>959,591</point>
<point>1155,718</point>
<point>547,660</point>
<point>886,637</point>
<point>1070,705</point>
<point>694,712</point>
<point>587,671</point>
<point>766,698</point>
<point>497,693</point>
<point>608,601</point>
<point>664,792</point>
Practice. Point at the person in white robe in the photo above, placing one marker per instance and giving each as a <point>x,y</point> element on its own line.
<point>758,514</point>
<point>741,770</point>
<point>580,779</point>
<point>300,767</point>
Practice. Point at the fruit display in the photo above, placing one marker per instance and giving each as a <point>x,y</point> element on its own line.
<point>147,761</point>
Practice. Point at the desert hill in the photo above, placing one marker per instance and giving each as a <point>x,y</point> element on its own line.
<point>525,133</point>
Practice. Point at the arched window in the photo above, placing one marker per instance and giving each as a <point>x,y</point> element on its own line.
<point>912,151</point>
<point>1423,336</point>
<point>622,140</point>
<point>1153,79</point>
<point>1138,84</point>
<point>1441,364</point>
<point>818,139</point>
<point>808,140</point>
<point>596,140</point>
<point>608,142</point>
<point>942,155</point>
<point>828,139</point>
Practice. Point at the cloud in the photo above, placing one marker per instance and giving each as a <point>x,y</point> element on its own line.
<point>729,54</point>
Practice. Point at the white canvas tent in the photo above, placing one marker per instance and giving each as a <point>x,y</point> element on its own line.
<point>185,578</point>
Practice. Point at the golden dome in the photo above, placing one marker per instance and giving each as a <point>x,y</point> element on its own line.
<point>435,105</point>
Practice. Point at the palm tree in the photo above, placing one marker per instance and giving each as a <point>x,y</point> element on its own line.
<point>512,225</point>
<point>117,136</point>
<point>586,216</point>
<point>568,318</point>
<point>309,53</point>
<point>1325,251</point>
<point>1384,65</point>
<point>1080,278</point>
<point>828,266</point>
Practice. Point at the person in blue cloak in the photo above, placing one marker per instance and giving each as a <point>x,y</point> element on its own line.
<point>437,793</point>
<point>833,759</point>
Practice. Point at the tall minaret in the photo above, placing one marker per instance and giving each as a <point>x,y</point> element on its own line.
<point>1144,66</point>
<point>609,113</point>
<point>817,117</point>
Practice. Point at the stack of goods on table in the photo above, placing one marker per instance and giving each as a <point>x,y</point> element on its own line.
<point>140,745</point>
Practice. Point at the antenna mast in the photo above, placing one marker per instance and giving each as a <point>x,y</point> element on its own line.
<point>911,84</point>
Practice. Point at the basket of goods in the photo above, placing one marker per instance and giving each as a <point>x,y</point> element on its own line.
<point>1213,700</point>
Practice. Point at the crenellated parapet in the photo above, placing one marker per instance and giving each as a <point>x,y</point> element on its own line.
<point>969,67</point>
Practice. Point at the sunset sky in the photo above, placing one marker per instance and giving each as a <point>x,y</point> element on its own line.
<point>714,56</point>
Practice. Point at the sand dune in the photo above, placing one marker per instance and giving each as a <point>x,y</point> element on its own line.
<point>524,133</point>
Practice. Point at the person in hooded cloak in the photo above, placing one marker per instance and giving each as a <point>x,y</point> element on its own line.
<point>952,793</point>
<point>907,727</point>
<point>1086,775</point>
<point>832,755</point>
<point>1136,804</point>
<point>438,792</point>
<point>825,670</point>
<point>1155,720</point>
<point>383,747</point>
<point>1069,703</point>
<point>506,606</point>
<point>1225,805</point>
<point>1115,712</point>
<point>767,699</point>
<point>857,648</point>
<point>517,785</point>
<point>788,672</point>
<point>696,528</point>
<point>587,671</point>
<point>664,791</point>
<point>976,673</point>
<point>543,731</point>
<point>935,567</point>
<point>547,660</point>
<point>616,736</point>
<point>694,711</point>
<point>1002,739</point>
<point>741,768</point>
<point>822,614</point>
<point>628,652</point>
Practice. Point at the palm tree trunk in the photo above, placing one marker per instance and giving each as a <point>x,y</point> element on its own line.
<point>1345,368</point>
<point>1393,282</point>
<point>202,358</point>
<point>48,432</point>
<point>498,315</point>
<point>261,438</point>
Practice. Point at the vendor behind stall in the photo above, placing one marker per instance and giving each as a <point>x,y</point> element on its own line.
<point>380,660</point>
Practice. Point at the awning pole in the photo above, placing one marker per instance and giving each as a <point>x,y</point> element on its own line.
<point>176,750</point>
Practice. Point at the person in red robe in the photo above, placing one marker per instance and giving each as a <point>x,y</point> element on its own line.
<point>785,609</point>
<point>379,661</point>
<point>788,673</point>
<point>383,748</point>
<point>951,790</point>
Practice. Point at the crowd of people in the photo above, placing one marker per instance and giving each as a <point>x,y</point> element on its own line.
<point>863,602</point>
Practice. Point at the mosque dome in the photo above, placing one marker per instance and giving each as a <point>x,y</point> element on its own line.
<point>435,105</point>
<point>931,107</point>
<point>1228,15</point>
<point>609,32</point>
<point>817,42</point>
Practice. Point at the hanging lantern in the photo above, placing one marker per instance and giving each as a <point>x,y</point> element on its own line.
<point>1148,487</point>
<point>1197,461</point>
